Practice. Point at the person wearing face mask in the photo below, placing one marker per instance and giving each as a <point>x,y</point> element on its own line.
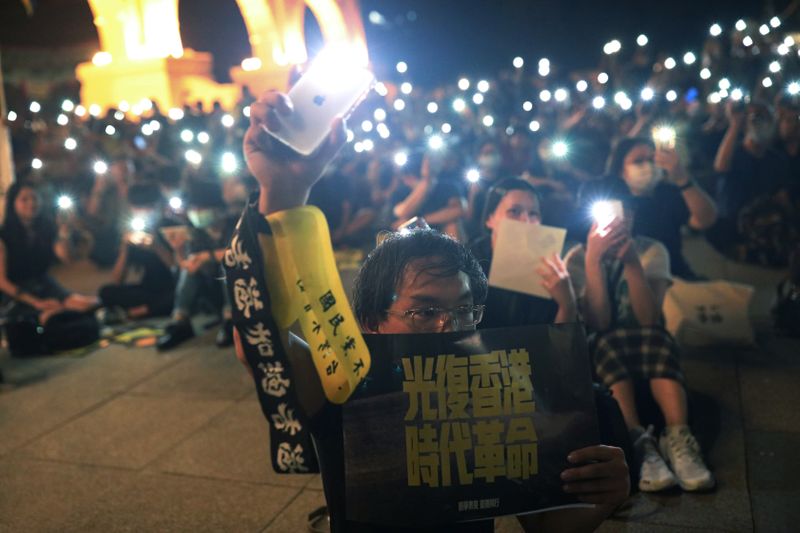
<point>198,253</point>
<point>142,281</point>
<point>664,196</point>
<point>749,166</point>
<point>621,282</point>
<point>490,164</point>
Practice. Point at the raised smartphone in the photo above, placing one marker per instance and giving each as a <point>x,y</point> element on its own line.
<point>329,88</point>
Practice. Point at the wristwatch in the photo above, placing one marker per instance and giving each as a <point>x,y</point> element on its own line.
<point>686,185</point>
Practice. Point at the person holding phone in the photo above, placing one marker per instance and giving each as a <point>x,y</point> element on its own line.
<point>406,273</point>
<point>621,282</point>
<point>664,196</point>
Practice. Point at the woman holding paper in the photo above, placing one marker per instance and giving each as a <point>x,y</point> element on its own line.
<point>517,200</point>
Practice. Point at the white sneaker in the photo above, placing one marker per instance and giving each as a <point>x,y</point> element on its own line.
<point>654,474</point>
<point>682,451</point>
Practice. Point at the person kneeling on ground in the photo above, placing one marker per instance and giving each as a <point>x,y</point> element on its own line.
<point>200,279</point>
<point>422,269</point>
<point>621,282</point>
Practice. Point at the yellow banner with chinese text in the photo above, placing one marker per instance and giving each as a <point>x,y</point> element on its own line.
<point>307,287</point>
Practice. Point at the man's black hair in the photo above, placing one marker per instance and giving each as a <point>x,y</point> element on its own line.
<point>496,194</point>
<point>383,270</point>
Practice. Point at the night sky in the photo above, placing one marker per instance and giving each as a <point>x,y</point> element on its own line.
<point>445,38</point>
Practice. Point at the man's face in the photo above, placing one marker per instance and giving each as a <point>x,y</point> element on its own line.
<point>423,293</point>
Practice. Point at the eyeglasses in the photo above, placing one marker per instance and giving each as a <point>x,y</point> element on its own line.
<point>433,319</point>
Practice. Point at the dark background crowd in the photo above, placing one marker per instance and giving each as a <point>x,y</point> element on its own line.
<point>723,120</point>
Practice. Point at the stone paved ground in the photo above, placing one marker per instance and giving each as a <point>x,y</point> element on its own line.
<point>128,439</point>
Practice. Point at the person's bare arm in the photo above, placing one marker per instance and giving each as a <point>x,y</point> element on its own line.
<point>120,266</point>
<point>451,213</point>
<point>596,302</point>
<point>702,209</point>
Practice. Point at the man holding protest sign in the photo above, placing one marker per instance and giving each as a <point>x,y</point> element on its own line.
<point>421,283</point>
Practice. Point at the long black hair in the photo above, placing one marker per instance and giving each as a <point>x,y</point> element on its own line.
<point>616,161</point>
<point>13,231</point>
<point>496,194</point>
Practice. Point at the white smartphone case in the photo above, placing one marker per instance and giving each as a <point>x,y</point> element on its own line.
<point>318,97</point>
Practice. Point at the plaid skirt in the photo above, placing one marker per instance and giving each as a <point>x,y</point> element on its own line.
<point>635,354</point>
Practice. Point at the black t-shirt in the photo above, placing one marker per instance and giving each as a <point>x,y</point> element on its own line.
<point>750,177</point>
<point>29,257</point>
<point>658,215</point>
<point>505,309</point>
<point>156,275</point>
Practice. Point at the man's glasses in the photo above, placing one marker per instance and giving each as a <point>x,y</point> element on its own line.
<point>433,319</point>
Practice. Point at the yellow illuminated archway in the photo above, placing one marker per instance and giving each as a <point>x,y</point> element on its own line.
<point>141,54</point>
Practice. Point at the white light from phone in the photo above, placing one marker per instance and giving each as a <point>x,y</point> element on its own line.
<point>432,107</point>
<point>544,67</point>
<point>203,137</point>
<point>793,88</point>
<point>560,149</point>
<point>67,106</point>
<point>647,94</point>
<point>176,203</point>
<point>366,126</point>
<point>110,130</point>
<point>737,95</point>
<point>604,212</point>
<point>138,224</point>
<point>527,105</point>
<point>406,87</point>
<point>379,114</point>
<point>463,84</point>
<point>488,121</point>
<point>545,95</point>
<point>740,25</point>
<point>642,40</point>
<point>459,105</point>
<point>715,30</point>
<point>399,104</point>
<point>193,157</point>
<point>383,130</point>
<point>35,107</point>
<point>477,98</point>
<point>581,86</point>
<point>774,22</point>
<point>534,125</point>
<point>401,67</point>
<point>64,202</point>
<point>229,163</point>
<point>518,62</point>
<point>435,142</point>
<point>671,96</point>
<point>670,63</point>
<point>598,102</point>
<point>70,143</point>
<point>400,159</point>
<point>446,128</point>
<point>774,67</point>
<point>62,119</point>
<point>36,163</point>
<point>187,136</point>
<point>100,167</point>
<point>560,94</point>
<point>705,74</point>
<point>473,175</point>
<point>602,78</point>
<point>12,116</point>
<point>227,120</point>
<point>483,86</point>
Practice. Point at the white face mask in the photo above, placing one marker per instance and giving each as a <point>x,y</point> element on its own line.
<point>641,177</point>
<point>489,161</point>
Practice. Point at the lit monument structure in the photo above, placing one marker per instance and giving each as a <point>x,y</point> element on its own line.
<point>141,54</point>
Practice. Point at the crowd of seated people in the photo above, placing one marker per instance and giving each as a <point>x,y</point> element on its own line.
<point>154,196</point>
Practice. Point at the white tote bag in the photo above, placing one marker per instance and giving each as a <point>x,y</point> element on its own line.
<point>709,313</point>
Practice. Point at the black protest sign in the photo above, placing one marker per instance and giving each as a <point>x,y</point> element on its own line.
<point>463,426</point>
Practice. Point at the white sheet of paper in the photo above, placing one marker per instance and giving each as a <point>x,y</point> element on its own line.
<point>518,253</point>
